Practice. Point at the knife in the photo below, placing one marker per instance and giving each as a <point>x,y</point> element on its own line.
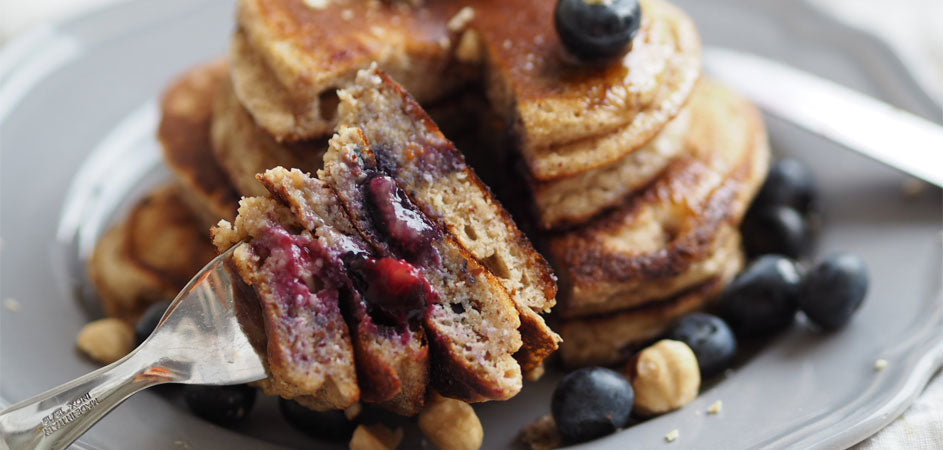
<point>871,127</point>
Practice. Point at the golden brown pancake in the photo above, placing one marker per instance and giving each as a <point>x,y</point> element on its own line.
<point>184,135</point>
<point>661,241</point>
<point>244,150</point>
<point>289,58</point>
<point>612,338</point>
<point>149,256</point>
<point>576,199</point>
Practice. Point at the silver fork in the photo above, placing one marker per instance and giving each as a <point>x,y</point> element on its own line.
<point>198,341</point>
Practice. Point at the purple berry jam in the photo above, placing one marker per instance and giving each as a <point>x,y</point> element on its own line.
<point>394,290</point>
<point>394,214</point>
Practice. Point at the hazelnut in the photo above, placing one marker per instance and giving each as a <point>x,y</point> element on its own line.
<point>450,424</point>
<point>664,376</point>
<point>106,340</point>
<point>375,437</point>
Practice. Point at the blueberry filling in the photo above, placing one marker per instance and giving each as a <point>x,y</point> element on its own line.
<point>394,214</point>
<point>395,292</point>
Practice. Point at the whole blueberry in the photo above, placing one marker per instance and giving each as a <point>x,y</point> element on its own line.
<point>222,405</point>
<point>710,338</point>
<point>775,229</point>
<point>590,403</point>
<point>148,321</point>
<point>762,299</point>
<point>594,30</point>
<point>833,290</point>
<point>328,425</point>
<point>789,183</point>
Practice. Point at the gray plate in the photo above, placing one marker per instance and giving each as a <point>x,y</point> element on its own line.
<point>77,119</point>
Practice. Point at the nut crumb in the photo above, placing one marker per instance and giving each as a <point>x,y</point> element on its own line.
<point>316,4</point>
<point>880,365</point>
<point>347,14</point>
<point>506,44</point>
<point>461,19</point>
<point>469,47</point>
<point>715,407</point>
<point>445,42</point>
<point>10,304</point>
<point>672,435</point>
<point>542,434</point>
<point>353,411</point>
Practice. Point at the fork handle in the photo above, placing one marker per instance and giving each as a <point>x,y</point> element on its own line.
<point>55,418</point>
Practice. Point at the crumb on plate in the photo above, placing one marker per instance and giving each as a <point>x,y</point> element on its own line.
<point>715,407</point>
<point>672,435</point>
<point>10,304</point>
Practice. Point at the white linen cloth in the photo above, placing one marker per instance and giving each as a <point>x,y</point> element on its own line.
<point>912,27</point>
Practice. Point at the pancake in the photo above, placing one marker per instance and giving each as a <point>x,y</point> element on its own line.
<point>612,338</point>
<point>576,199</point>
<point>184,136</point>
<point>434,173</point>
<point>244,150</point>
<point>289,59</point>
<point>660,242</point>
<point>150,256</point>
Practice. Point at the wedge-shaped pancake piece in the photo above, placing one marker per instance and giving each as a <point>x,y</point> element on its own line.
<point>408,146</point>
<point>244,150</point>
<point>389,342</point>
<point>289,58</point>
<point>184,134</point>
<point>150,255</point>
<point>659,243</point>
<point>612,338</point>
<point>472,324</point>
<point>308,350</point>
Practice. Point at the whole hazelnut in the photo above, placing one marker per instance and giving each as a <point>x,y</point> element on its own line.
<point>106,340</point>
<point>450,424</point>
<point>665,377</point>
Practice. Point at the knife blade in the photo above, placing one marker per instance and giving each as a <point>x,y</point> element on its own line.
<point>861,123</point>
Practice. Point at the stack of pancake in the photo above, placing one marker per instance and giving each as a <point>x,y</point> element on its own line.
<point>636,172</point>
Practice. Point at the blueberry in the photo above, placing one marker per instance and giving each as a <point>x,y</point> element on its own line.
<point>710,338</point>
<point>328,425</point>
<point>590,403</point>
<point>789,183</point>
<point>775,229</point>
<point>222,405</point>
<point>597,30</point>
<point>833,290</point>
<point>148,321</point>
<point>763,298</point>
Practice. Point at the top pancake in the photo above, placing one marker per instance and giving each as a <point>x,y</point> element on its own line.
<point>289,58</point>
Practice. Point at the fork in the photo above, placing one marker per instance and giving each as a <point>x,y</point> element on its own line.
<point>197,341</point>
